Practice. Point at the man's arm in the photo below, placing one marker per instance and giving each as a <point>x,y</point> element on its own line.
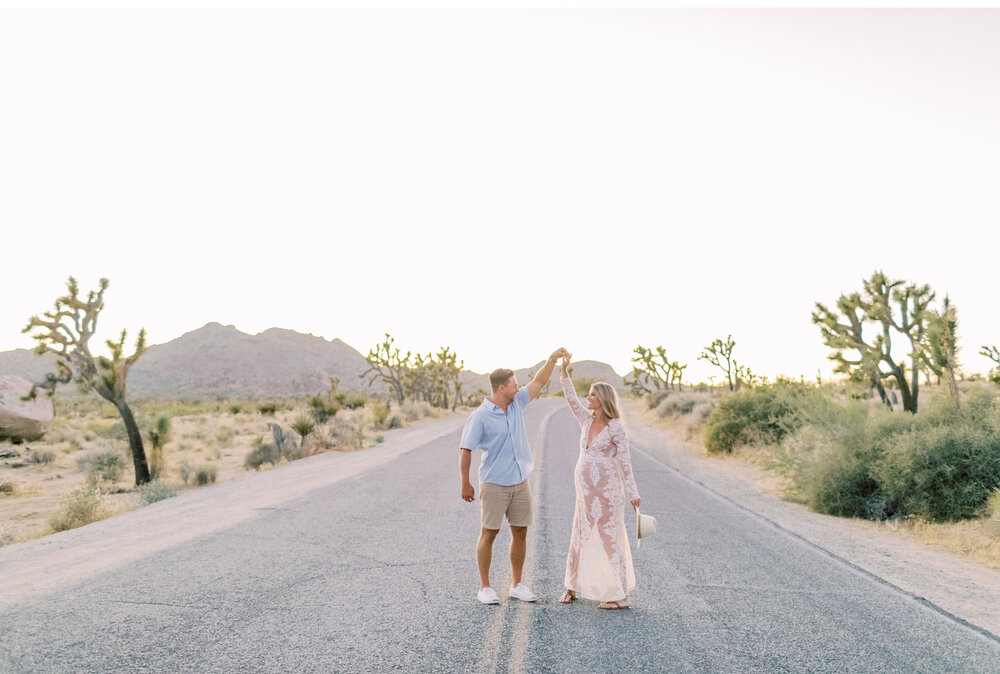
<point>464,462</point>
<point>542,377</point>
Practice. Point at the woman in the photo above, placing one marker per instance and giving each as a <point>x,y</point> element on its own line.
<point>599,564</point>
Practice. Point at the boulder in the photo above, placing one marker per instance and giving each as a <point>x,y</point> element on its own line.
<point>22,419</point>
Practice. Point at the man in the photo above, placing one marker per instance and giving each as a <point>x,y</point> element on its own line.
<point>497,428</point>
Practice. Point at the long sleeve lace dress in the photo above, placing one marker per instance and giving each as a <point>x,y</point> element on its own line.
<point>599,563</point>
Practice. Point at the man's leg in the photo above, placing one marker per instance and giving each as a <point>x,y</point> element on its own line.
<point>518,548</point>
<point>484,555</point>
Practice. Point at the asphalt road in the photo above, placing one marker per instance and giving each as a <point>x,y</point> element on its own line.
<point>377,573</point>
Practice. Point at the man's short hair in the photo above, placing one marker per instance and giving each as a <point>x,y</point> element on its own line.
<point>499,377</point>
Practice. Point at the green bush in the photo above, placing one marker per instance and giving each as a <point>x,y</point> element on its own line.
<point>206,473</point>
<point>943,473</point>
<point>102,465</point>
<point>262,452</point>
<point>79,507</point>
<point>379,414</point>
<point>356,401</point>
<point>759,416</point>
<point>154,491</point>
<point>857,460</point>
<point>267,409</point>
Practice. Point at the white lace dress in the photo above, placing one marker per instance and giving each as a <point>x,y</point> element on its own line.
<point>599,563</point>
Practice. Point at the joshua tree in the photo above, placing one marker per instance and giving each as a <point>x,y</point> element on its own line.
<point>304,425</point>
<point>386,364</point>
<point>891,307</point>
<point>993,353</point>
<point>66,332</point>
<point>939,351</point>
<point>159,435</point>
<point>720,354</point>
<point>653,366</point>
<point>434,377</point>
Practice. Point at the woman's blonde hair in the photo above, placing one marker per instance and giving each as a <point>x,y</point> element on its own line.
<point>606,393</point>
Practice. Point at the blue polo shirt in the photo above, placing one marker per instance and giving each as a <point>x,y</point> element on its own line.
<point>503,439</point>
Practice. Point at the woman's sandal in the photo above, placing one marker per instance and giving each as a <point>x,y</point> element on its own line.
<point>615,605</point>
<point>568,597</point>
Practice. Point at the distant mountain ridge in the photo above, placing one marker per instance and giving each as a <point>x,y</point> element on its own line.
<point>220,360</point>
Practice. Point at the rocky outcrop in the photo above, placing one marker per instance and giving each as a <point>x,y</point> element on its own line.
<point>22,419</point>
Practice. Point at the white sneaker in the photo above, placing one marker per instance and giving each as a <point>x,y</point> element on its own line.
<point>522,592</point>
<point>488,596</point>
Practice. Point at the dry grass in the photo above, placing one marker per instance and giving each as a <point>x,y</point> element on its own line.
<point>977,539</point>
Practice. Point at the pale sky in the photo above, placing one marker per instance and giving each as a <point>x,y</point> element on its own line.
<point>501,182</point>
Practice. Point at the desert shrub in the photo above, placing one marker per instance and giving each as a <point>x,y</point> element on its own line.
<point>115,431</point>
<point>6,487</point>
<point>943,471</point>
<point>101,465</point>
<point>350,433</point>
<point>838,481</point>
<point>235,409</point>
<point>267,408</point>
<point>206,473</point>
<point>156,490</point>
<point>413,410</point>
<point>654,398</point>
<point>379,414</point>
<point>303,425</point>
<point>40,456</point>
<point>678,404</point>
<point>60,431</point>
<point>759,416</point>
<point>832,454</point>
<point>395,421</point>
<point>267,452</point>
<point>356,401</point>
<point>79,507</point>
<point>857,460</point>
<point>261,453</point>
<point>225,435</point>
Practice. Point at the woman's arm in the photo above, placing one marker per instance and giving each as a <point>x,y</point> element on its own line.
<point>624,459</point>
<point>579,411</point>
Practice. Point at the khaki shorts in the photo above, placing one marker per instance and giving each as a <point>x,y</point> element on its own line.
<point>499,500</point>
